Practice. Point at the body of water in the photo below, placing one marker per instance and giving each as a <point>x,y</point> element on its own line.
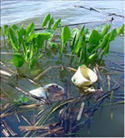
<point>108,120</point>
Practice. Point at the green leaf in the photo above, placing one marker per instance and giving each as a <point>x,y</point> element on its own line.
<point>74,32</point>
<point>113,34</point>
<point>22,99</point>
<point>78,46</point>
<point>32,63</point>
<point>105,29</point>
<point>5,30</point>
<point>46,34</point>
<point>13,39</point>
<point>51,22</point>
<point>122,29</point>
<point>53,45</point>
<point>85,52</point>
<point>106,50</point>
<point>94,38</point>
<point>91,58</point>
<point>81,56</point>
<point>104,42</point>
<point>65,34</point>
<point>73,43</point>
<point>39,41</point>
<point>22,31</point>
<point>31,52</point>
<point>78,37</point>
<point>56,24</point>
<point>15,27</point>
<point>18,60</point>
<point>45,20</point>
<point>30,29</point>
<point>118,30</point>
<point>30,38</point>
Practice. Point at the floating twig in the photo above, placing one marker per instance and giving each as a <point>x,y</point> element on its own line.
<point>25,119</point>
<point>109,79</point>
<point>70,68</point>
<point>45,71</point>
<point>30,106</point>
<point>5,132</point>
<point>8,128</point>
<point>80,111</point>
<point>33,128</point>
<point>17,116</point>
<point>52,132</point>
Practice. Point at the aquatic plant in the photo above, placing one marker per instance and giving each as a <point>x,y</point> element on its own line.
<point>28,45</point>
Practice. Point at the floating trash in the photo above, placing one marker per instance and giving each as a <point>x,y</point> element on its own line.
<point>39,92</point>
<point>84,77</point>
<point>52,91</point>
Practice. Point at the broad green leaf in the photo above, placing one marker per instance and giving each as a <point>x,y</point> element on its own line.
<point>122,29</point>
<point>13,39</point>
<point>91,58</point>
<point>32,63</point>
<point>18,60</point>
<point>73,44</point>
<point>105,29</point>
<point>45,20</point>
<point>39,41</point>
<point>22,31</point>
<point>15,27</point>
<point>5,29</point>
<point>31,52</point>
<point>81,56</point>
<point>30,29</point>
<point>30,38</point>
<point>74,32</point>
<point>51,31</point>
<point>51,22</point>
<point>56,24</point>
<point>21,40</point>
<point>53,45</point>
<point>46,34</point>
<point>118,30</point>
<point>106,50</point>
<point>104,42</point>
<point>65,34</point>
<point>85,52</point>
<point>94,38</point>
<point>113,34</point>
<point>78,46</point>
<point>80,34</point>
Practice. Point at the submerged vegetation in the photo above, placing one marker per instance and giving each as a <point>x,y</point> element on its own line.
<point>87,47</point>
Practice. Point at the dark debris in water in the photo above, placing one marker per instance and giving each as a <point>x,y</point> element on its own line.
<point>59,118</point>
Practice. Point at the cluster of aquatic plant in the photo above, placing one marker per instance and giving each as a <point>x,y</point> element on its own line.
<point>29,45</point>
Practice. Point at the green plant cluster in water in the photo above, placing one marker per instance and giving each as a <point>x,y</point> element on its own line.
<point>28,45</point>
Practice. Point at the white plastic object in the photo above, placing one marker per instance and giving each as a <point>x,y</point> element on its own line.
<point>84,77</point>
<point>39,92</point>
